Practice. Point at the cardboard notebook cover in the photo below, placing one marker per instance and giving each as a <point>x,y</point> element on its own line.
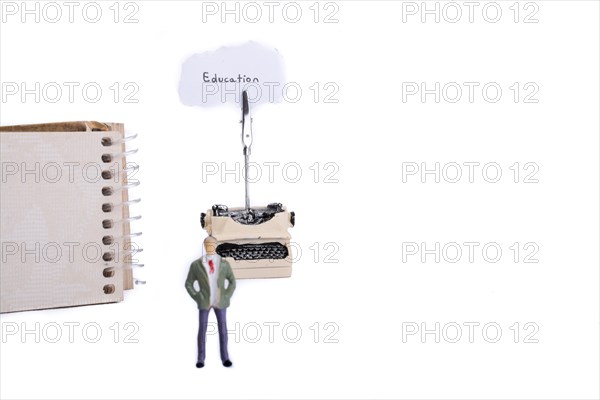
<point>61,245</point>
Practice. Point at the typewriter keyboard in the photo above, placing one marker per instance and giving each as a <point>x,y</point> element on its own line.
<point>253,251</point>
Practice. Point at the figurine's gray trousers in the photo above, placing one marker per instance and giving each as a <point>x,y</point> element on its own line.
<point>222,324</point>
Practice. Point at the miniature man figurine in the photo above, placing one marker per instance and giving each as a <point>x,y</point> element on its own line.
<point>211,273</point>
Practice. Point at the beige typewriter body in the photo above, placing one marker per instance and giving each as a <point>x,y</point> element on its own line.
<point>228,232</point>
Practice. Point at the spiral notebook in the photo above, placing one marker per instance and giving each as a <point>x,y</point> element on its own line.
<point>64,213</point>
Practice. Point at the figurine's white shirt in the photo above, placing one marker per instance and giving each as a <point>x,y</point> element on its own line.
<point>212,278</point>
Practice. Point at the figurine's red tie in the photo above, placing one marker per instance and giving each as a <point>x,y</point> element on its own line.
<point>211,265</point>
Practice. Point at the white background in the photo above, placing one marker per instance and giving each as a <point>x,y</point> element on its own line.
<point>371,294</point>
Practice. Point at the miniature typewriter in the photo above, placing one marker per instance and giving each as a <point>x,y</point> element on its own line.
<point>255,241</point>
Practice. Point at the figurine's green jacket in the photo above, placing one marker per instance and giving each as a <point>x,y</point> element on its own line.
<point>198,273</point>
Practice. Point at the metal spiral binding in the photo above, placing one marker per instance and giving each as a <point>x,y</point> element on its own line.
<point>109,190</point>
<point>110,142</point>
<point>108,207</point>
<point>108,157</point>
